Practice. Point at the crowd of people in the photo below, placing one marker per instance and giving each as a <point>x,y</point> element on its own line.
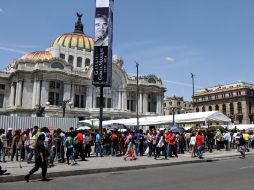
<point>68,147</point>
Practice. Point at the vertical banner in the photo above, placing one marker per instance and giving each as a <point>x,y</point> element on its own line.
<point>102,64</point>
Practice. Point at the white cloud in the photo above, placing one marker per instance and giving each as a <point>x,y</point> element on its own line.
<point>181,83</point>
<point>12,50</point>
<point>1,10</point>
<point>19,46</point>
<point>170,59</point>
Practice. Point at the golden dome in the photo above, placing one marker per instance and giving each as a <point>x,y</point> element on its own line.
<point>38,55</point>
<point>74,40</point>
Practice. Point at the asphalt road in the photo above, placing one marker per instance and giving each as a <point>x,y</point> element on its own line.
<point>233,174</point>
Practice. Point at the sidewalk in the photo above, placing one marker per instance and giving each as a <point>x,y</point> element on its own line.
<point>109,164</point>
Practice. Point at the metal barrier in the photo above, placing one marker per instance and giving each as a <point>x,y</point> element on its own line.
<point>24,123</point>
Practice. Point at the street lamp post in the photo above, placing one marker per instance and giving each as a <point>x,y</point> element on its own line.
<point>173,112</point>
<point>64,106</point>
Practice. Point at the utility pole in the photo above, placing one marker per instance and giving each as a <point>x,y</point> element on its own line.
<point>137,64</point>
<point>192,76</point>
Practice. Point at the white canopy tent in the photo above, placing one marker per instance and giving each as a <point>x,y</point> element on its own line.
<point>198,117</point>
<point>241,127</point>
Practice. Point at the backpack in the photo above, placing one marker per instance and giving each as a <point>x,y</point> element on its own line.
<point>75,140</point>
<point>114,137</point>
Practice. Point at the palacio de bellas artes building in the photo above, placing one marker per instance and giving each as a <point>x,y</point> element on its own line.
<point>61,76</point>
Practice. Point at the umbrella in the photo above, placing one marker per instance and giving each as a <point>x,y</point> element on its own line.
<point>176,129</point>
<point>115,126</point>
<point>83,128</point>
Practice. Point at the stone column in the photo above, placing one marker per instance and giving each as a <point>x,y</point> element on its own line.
<point>89,97</point>
<point>94,97</point>
<point>245,112</point>
<point>124,98</point>
<point>12,94</point>
<point>34,94</point>
<point>119,100</point>
<point>140,103</point>
<point>158,106</point>
<point>67,91</point>
<point>145,102</point>
<point>72,93</point>
<point>44,92</point>
<point>19,93</point>
<point>38,92</point>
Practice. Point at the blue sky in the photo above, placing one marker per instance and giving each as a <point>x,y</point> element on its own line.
<point>213,39</point>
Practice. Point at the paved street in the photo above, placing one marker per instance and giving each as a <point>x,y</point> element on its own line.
<point>233,174</point>
<point>109,164</point>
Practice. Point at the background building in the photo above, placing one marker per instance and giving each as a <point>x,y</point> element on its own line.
<point>235,100</point>
<point>177,103</point>
<point>59,79</point>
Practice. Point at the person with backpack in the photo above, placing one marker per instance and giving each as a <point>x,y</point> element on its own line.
<point>114,143</point>
<point>69,149</point>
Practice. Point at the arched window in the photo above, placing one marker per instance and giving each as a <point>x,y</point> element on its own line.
<point>57,65</point>
<point>203,109</point>
<point>79,61</point>
<point>217,108</point>
<point>70,59</point>
<point>210,108</point>
<point>151,80</point>
<point>87,62</point>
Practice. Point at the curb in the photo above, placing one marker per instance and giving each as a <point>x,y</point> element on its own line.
<point>114,169</point>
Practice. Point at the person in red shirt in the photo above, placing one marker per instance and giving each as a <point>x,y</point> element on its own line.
<point>80,147</point>
<point>171,140</point>
<point>199,144</point>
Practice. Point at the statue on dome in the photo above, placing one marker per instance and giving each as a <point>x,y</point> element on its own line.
<point>78,24</point>
<point>79,16</point>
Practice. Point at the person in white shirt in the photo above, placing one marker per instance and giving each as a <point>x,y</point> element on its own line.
<point>193,145</point>
<point>227,140</point>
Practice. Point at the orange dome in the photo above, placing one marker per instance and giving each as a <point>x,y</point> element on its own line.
<point>74,40</point>
<point>38,55</point>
